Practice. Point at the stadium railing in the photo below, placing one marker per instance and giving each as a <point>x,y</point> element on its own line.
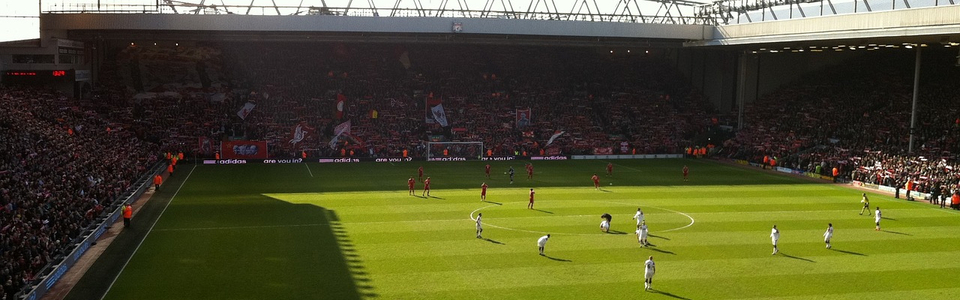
<point>54,271</point>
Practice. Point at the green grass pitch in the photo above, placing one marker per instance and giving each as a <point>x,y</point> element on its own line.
<point>351,231</point>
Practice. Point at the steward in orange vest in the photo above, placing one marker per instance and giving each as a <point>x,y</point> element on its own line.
<point>157,180</point>
<point>127,214</point>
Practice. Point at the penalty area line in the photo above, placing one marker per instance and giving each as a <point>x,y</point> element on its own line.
<point>308,169</point>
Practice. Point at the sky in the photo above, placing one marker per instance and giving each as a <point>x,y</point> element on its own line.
<point>19,18</point>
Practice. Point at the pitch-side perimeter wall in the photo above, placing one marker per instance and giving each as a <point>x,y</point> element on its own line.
<point>91,236</point>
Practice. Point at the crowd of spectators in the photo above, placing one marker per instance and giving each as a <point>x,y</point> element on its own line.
<point>600,100</point>
<point>67,160</point>
<point>62,164</point>
<point>856,118</point>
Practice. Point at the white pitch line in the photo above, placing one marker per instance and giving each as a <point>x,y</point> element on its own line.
<point>308,169</point>
<point>692,221</point>
<point>670,210</point>
<point>146,235</point>
<point>522,230</point>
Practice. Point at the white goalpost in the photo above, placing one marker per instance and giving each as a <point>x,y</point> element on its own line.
<point>454,151</point>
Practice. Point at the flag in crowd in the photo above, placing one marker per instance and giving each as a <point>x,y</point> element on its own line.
<point>436,110</point>
<point>554,137</point>
<point>245,110</point>
<point>300,132</point>
<point>343,128</point>
<point>523,117</point>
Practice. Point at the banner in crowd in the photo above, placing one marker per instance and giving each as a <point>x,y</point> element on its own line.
<point>341,103</point>
<point>439,115</point>
<point>436,113</point>
<point>205,146</point>
<point>343,128</point>
<point>245,110</point>
<point>603,150</point>
<point>524,117</point>
<point>243,150</point>
<point>299,133</point>
<point>554,137</point>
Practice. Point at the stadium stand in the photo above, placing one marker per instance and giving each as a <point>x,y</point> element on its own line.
<point>598,101</point>
<point>856,118</point>
<point>63,163</point>
<point>67,160</point>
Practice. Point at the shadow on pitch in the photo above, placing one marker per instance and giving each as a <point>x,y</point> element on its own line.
<point>557,258</point>
<point>323,244</point>
<point>606,191</point>
<point>897,232</point>
<point>659,237</point>
<point>491,202</point>
<point>886,218</point>
<point>493,241</point>
<point>668,294</point>
<point>653,247</point>
<point>543,211</point>
<point>611,231</point>
<point>848,252</point>
<point>797,257</point>
<point>435,197</point>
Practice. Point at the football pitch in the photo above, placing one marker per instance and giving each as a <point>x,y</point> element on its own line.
<point>351,231</point>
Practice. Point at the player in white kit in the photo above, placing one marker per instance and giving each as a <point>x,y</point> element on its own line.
<point>828,234</point>
<point>605,225</point>
<point>638,217</point>
<point>877,217</point>
<point>542,242</point>
<point>479,225</point>
<point>649,269</point>
<point>642,235</point>
<point>775,236</point>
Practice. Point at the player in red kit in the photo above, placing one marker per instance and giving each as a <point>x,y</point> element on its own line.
<point>686,171</point>
<point>487,170</point>
<point>426,187</point>
<point>530,205</point>
<point>530,171</point>
<point>420,174</point>
<point>610,169</point>
<point>410,185</point>
<point>596,182</point>
<point>483,192</point>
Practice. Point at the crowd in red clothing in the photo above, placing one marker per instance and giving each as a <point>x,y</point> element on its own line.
<point>856,118</point>
<point>597,99</point>
<point>61,164</point>
<point>65,161</point>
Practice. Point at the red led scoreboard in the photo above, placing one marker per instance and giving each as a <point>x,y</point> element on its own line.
<point>37,76</point>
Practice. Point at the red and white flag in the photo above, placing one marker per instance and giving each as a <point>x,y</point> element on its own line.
<point>300,132</point>
<point>205,145</point>
<point>341,102</point>
<point>554,137</point>
<point>342,128</point>
<point>245,110</point>
<point>436,111</point>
